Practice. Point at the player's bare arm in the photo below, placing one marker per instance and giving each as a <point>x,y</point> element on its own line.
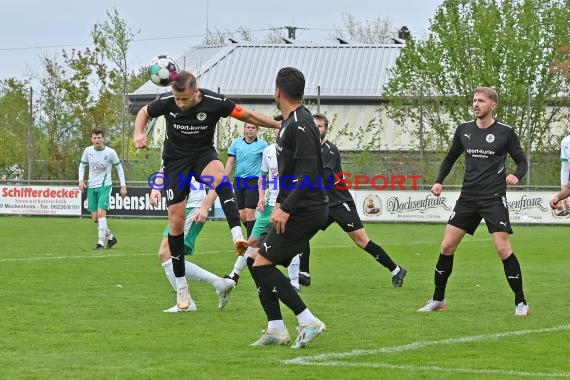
<point>279,219</point>
<point>229,165</point>
<point>241,113</point>
<point>202,214</point>
<point>155,197</point>
<point>141,120</point>
<point>436,189</point>
<point>512,180</point>
<point>561,195</point>
<point>261,191</point>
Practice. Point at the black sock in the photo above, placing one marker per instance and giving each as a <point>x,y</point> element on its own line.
<point>304,258</point>
<point>514,277</point>
<point>176,245</point>
<point>443,270</point>
<point>229,205</point>
<point>269,300</point>
<point>274,281</point>
<point>249,227</point>
<point>380,255</point>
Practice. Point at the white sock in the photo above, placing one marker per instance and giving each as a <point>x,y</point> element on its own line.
<point>109,234</point>
<point>305,317</point>
<point>102,228</point>
<point>396,271</point>
<point>194,272</point>
<point>181,283</point>
<point>167,265</point>
<point>236,233</point>
<point>293,270</point>
<point>241,261</point>
<point>277,325</point>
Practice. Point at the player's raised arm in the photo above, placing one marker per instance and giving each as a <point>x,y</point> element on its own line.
<point>249,116</point>
<point>140,124</point>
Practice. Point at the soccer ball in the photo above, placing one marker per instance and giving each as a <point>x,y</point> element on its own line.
<point>163,70</point>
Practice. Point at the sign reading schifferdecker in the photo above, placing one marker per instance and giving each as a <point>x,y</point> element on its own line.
<point>421,206</point>
<point>40,200</point>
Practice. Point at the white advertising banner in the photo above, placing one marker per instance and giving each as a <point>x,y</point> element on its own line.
<point>420,206</point>
<point>40,200</point>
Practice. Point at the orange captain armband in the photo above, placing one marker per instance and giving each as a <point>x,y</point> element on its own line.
<point>239,112</point>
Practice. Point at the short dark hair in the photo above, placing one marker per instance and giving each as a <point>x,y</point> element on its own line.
<point>322,117</point>
<point>184,80</point>
<point>97,131</point>
<point>291,81</point>
<point>278,117</point>
<point>245,123</point>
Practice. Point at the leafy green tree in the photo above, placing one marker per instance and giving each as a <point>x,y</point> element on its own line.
<point>15,126</point>
<point>113,38</point>
<point>509,45</point>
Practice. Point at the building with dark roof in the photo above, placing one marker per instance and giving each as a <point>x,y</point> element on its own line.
<point>344,81</point>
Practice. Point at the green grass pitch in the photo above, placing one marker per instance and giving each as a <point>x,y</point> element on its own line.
<point>69,312</point>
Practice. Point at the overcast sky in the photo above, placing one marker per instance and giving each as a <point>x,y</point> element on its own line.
<point>34,28</point>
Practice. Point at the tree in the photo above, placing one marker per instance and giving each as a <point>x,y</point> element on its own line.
<point>15,126</point>
<point>113,37</point>
<point>506,44</point>
<point>57,121</point>
<point>219,37</point>
<point>370,31</point>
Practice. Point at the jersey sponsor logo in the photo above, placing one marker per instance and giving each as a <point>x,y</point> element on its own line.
<point>480,153</point>
<point>490,138</point>
<point>201,116</point>
<point>189,129</point>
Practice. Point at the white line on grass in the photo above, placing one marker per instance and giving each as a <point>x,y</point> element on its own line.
<point>328,359</point>
<point>436,369</point>
<point>96,255</point>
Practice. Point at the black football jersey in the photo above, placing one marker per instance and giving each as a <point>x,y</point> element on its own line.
<point>332,168</point>
<point>485,152</point>
<point>192,130</point>
<point>300,163</point>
